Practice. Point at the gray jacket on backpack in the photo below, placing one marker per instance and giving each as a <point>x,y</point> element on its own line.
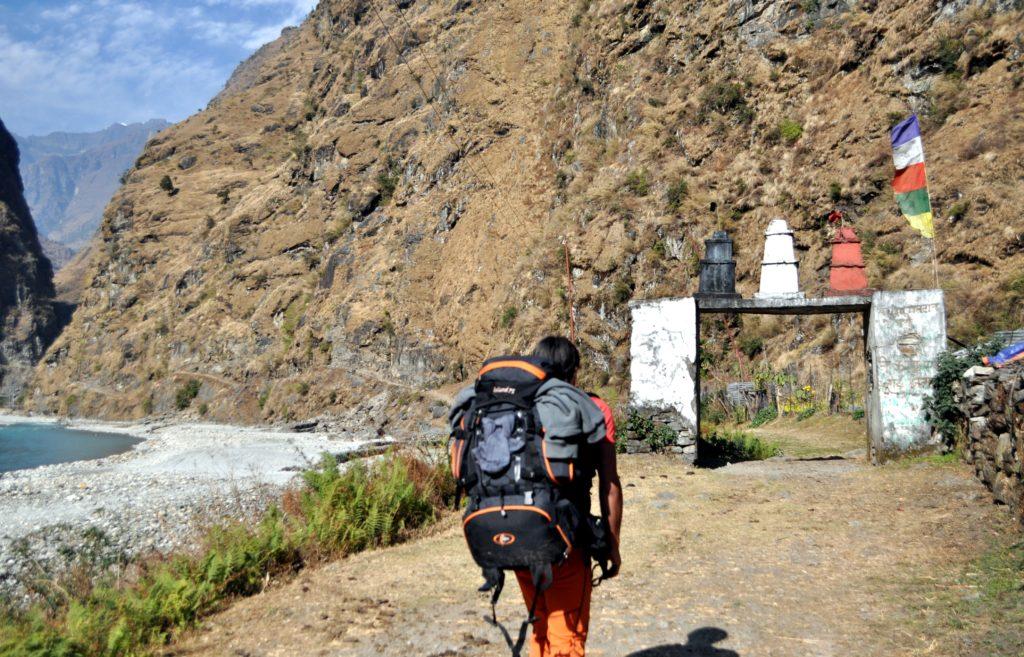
<point>565,412</point>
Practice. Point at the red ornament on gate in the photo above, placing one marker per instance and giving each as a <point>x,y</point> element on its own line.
<point>847,275</point>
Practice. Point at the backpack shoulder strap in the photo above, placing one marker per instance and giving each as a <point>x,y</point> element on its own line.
<point>494,580</point>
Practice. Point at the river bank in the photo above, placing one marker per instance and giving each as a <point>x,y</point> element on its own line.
<point>156,497</point>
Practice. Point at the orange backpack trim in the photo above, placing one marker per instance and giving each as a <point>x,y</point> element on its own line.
<point>522,365</point>
<point>519,507</point>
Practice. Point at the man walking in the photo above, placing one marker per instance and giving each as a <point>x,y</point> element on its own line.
<point>562,613</point>
<point>526,446</point>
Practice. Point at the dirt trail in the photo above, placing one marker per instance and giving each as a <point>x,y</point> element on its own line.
<point>782,557</point>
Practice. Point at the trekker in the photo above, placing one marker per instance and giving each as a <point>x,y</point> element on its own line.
<point>526,444</point>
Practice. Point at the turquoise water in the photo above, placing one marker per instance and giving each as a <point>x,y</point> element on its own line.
<point>31,445</point>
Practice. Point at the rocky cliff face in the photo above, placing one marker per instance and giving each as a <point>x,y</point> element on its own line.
<point>70,177</point>
<point>28,321</point>
<point>383,194</point>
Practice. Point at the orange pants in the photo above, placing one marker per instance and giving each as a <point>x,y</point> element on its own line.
<point>563,611</point>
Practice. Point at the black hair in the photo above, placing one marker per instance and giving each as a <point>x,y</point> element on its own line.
<point>560,355</point>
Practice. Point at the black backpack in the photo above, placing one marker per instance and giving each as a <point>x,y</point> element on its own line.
<point>524,490</point>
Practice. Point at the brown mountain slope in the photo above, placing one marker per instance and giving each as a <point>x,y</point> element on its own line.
<point>326,228</point>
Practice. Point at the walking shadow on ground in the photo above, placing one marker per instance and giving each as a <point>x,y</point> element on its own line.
<point>699,643</point>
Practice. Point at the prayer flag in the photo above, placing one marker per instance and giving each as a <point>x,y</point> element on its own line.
<point>910,183</point>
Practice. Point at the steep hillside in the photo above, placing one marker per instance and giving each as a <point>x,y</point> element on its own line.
<point>70,177</point>
<point>28,319</point>
<point>366,205</point>
<point>58,254</point>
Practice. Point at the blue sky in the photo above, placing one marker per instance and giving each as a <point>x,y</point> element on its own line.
<point>80,66</point>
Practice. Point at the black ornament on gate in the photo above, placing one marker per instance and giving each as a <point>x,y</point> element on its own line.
<point>718,269</point>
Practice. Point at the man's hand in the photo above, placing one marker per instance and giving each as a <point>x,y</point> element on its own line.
<point>615,563</point>
<point>611,503</point>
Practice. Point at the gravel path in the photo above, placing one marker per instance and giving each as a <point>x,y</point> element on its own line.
<point>152,498</point>
<point>781,558</point>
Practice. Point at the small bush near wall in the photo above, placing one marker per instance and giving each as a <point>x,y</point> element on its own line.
<point>657,436</point>
<point>722,446</point>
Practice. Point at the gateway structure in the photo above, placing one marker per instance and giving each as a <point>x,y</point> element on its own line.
<point>904,333</point>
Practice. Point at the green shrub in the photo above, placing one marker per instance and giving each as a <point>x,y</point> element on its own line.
<point>1015,286</point>
<point>857,414</point>
<point>387,180</point>
<point>508,316</point>
<point>959,210</point>
<point>735,446</point>
<point>622,291</point>
<point>676,194</point>
<point>204,408</point>
<point>895,117</point>
<point>186,393</point>
<point>637,182</point>
<point>293,315</point>
<point>835,192</point>
<point>166,184</point>
<point>945,51</point>
<point>940,407</point>
<point>764,416</point>
<point>723,97</point>
<point>644,429</point>
<point>335,513</point>
<point>751,345</point>
<point>806,413</point>
<point>888,248</point>
<point>709,414</point>
<point>790,131</point>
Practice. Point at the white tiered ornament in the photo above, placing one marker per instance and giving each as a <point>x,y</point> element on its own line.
<point>779,273</point>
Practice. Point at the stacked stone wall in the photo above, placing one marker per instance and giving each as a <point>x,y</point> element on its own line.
<point>993,403</point>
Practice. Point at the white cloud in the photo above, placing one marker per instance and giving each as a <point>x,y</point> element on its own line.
<point>86,65</point>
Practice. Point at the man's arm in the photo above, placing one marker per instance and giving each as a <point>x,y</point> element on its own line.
<point>610,492</point>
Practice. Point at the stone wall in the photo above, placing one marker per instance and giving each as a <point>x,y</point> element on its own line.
<point>993,403</point>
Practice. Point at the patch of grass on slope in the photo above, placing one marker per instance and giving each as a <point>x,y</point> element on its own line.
<point>734,446</point>
<point>334,513</point>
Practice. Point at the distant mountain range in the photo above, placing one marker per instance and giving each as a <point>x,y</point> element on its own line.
<point>69,178</point>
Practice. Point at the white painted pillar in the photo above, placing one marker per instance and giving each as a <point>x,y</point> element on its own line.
<point>663,367</point>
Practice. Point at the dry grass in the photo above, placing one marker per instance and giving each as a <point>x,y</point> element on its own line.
<point>817,436</point>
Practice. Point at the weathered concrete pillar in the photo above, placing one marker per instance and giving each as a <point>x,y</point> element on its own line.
<point>663,368</point>
<point>779,273</point>
<point>906,334</point>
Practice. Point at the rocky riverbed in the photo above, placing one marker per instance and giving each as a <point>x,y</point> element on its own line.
<point>155,498</point>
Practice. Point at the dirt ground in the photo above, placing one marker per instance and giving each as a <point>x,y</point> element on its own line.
<point>816,557</point>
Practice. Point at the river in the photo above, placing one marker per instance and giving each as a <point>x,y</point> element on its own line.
<point>25,446</point>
